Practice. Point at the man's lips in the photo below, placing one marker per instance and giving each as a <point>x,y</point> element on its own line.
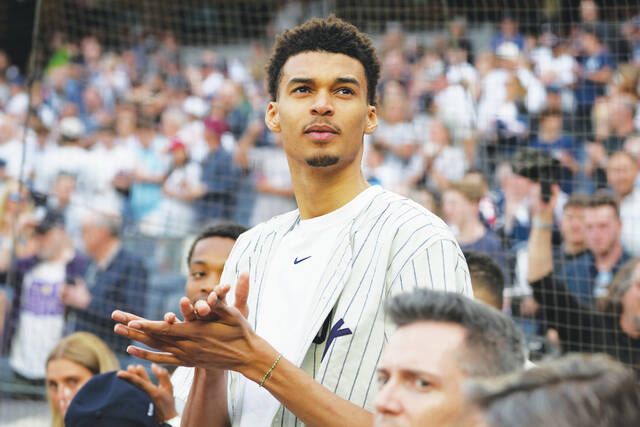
<point>321,132</point>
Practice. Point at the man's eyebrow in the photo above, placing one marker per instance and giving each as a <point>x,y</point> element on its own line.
<point>299,80</point>
<point>409,371</point>
<point>348,80</point>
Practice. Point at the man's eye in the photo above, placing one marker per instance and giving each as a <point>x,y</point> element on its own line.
<point>382,380</point>
<point>301,89</point>
<point>197,274</point>
<point>421,384</point>
<point>345,91</point>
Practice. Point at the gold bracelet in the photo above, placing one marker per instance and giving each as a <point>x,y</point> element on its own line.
<point>268,374</point>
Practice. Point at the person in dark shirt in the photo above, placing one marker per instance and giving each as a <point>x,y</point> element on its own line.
<point>559,145</point>
<point>615,330</point>
<point>220,176</point>
<point>596,70</point>
<point>460,208</point>
<point>589,275</point>
<point>118,279</point>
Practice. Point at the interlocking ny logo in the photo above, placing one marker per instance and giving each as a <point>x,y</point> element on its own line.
<point>335,333</point>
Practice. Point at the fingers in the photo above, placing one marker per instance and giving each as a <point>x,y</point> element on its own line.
<point>202,308</point>
<point>124,317</point>
<point>154,356</point>
<point>171,318</point>
<point>143,383</point>
<point>242,294</point>
<point>187,310</point>
<point>164,380</point>
<point>161,343</point>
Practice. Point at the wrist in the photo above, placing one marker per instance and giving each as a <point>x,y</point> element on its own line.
<point>257,366</point>
<point>543,223</point>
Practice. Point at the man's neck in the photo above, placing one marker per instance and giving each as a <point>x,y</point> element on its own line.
<point>319,192</point>
<point>574,248</point>
<point>607,260</point>
<point>470,232</point>
<point>106,253</point>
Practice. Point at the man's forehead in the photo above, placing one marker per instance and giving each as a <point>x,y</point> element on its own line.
<point>334,66</point>
<point>420,345</point>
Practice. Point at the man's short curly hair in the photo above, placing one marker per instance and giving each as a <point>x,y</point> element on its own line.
<point>325,35</point>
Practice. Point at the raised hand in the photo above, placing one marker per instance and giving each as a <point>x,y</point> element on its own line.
<point>161,394</point>
<point>228,343</point>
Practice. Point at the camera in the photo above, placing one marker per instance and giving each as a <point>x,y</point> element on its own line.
<point>538,166</point>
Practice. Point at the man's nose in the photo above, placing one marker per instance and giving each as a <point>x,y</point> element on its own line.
<point>387,401</point>
<point>322,105</point>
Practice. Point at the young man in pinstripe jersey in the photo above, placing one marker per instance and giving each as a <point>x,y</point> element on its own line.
<point>301,347</point>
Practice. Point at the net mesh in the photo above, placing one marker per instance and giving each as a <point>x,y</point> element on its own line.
<point>146,117</point>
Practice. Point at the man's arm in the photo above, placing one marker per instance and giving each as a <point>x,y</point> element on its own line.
<point>230,344</point>
<point>207,403</point>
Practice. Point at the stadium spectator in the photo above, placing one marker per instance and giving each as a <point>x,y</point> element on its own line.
<point>219,176</point>
<point>269,167</point>
<point>149,173</point>
<point>444,163</point>
<point>487,279</point>
<point>552,139</point>
<point>457,36</point>
<point>508,33</point>
<point>621,113</point>
<point>622,174</point>
<point>322,104</point>
<point>442,339</point>
<point>116,279</point>
<point>594,73</point>
<point>596,268</point>
<point>615,330</point>
<point>176,215</point>
<point>460,208</point>
<point>73,361</point>
<point>36,321</point>
<point>577,390</point>
<point>395,134</point>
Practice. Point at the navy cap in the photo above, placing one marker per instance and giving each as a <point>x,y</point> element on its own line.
<point>106,401</point>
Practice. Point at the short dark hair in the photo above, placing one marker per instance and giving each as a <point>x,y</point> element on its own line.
<point>576,390</point>
<point>225,230</point>
<point>603,198</point>
<point>324,35</point>
<point>493,343</point>
<point>576,200</point>
<point>485,273</point>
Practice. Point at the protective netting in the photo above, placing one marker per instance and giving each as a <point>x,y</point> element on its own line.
<point>145,118</point>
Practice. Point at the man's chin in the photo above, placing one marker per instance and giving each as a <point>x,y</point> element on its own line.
<point>322,161</point>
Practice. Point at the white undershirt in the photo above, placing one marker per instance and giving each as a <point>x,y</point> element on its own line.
<point>289,292</point>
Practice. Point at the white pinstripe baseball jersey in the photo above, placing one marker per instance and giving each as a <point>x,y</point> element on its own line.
<point>391,245</point>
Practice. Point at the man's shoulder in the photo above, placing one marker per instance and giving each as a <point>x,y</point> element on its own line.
<point>272,225</point>
<point>403,215</point>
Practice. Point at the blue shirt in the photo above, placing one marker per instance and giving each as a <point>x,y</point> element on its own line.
<point>586,90</point>
<point>220,177</point>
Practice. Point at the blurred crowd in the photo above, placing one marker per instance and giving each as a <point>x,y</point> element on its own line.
<point>148,141</point>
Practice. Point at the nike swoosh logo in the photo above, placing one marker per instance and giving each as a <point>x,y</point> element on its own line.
<point>298,261</point>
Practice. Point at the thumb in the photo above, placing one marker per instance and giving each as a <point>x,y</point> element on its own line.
<point>242,294</point>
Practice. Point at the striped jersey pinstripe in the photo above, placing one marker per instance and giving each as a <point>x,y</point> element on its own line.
<point>391,246</point>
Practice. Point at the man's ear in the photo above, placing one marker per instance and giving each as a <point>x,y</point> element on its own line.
<point>372,120</point>
<point>272,117</point>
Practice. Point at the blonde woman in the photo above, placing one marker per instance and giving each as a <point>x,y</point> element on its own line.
<point>75,359</point>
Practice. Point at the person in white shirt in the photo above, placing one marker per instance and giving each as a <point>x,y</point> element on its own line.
<point>319,276</point>
<point>622,173</point>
